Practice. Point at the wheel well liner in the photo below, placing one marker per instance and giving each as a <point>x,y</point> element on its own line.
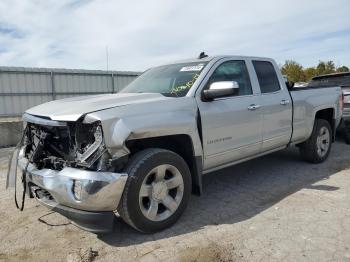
<point>180,144</point>
<point>328,115</point>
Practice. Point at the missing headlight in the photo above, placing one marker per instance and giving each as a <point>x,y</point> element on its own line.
<point>84,153</point>
<point>74,145</point>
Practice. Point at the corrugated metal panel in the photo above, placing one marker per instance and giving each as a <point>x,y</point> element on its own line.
<point>121,81</point>
<point>16,105</point>
<point>24,83</point>
<point>22,88</point>
<point>65,83</point>
<point>65,71</point>
<point>67,96</point>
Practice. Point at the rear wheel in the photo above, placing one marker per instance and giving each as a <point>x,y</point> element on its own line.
<point>157,190</point>
<point>316,149</point>
<point>347,132</point>
<point>347,137</point>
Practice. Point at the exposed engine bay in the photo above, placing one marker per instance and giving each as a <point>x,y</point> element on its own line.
<point>75,144</point>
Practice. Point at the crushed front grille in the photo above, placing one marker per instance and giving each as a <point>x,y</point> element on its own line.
<point>56,147</point>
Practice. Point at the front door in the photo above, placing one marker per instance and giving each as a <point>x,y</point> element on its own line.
<point>231,126</point>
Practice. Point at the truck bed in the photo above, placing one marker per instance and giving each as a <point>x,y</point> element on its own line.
<point>306,102</point>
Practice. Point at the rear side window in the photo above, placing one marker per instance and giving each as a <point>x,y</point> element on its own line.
<point>267,76</point>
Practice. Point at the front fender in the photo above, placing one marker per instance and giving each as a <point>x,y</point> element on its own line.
<point>176,117</point>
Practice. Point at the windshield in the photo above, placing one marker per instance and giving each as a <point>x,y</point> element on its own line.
<point>169,80</point>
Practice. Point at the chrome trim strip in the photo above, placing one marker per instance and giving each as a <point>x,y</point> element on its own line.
<point>41,121</point>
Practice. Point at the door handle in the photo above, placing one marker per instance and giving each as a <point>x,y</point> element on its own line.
<point>284,102</point>
<point>253,107</point>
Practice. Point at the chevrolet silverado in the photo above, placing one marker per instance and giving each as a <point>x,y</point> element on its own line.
<point>142,152</point>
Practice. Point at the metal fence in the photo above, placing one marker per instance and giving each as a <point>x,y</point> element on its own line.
<point>22,88</point>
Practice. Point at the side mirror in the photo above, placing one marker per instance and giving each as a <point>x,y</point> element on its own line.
<point>221,89</point>
<point>290,85</point>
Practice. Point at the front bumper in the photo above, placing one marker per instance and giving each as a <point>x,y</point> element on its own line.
<point>91,209</point>
<point>96,222</point>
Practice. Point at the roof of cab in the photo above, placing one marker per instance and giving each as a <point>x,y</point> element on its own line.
<point>210,58</point>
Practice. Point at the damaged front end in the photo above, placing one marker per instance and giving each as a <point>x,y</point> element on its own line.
<point>67,145</point>
<point>68,169</point>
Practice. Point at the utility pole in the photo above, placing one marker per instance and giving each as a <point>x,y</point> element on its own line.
<point>107,56</point>
<point>107,71</point>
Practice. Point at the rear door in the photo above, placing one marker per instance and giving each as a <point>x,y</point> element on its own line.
<point>231,126</point>
<point>276,106</point>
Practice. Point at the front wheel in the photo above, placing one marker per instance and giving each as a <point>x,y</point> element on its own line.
<point>317,148</point>
<point>157,190</point>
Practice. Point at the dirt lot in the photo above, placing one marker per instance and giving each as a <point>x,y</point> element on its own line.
<point>275,208</point>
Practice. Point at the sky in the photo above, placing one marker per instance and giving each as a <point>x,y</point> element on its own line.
<point>142,34</point>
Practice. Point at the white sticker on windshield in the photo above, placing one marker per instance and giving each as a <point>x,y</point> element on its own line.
<point>198,67</point>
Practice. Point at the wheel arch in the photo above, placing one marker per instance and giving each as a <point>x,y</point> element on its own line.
<point>182,145</point>
<point>327,114</point>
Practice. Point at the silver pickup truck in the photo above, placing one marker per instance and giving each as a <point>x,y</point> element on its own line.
<point>142,152</point>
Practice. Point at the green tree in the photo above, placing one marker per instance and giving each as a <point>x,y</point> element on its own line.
<point>309,73</point>
<point>330,67</point>
<point>342,69</point>
<point>293,71</point>
<point>325,68</point>
<point>296,73</point>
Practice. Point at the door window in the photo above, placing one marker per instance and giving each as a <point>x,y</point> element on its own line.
<point>267,76</point>
<point>233,71</point>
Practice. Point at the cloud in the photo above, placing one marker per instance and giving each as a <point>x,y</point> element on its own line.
<point>140,34</point>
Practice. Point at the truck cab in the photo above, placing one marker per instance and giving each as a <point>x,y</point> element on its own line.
<point>262,107</point>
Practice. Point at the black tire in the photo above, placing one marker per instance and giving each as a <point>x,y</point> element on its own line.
<point>347,133</point>
<point>137,169</point>
<point>309,149</point>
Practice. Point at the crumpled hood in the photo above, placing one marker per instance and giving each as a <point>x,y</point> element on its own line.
<point>71,109</point>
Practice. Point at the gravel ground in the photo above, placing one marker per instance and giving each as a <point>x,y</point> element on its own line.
<point>275,208</point>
